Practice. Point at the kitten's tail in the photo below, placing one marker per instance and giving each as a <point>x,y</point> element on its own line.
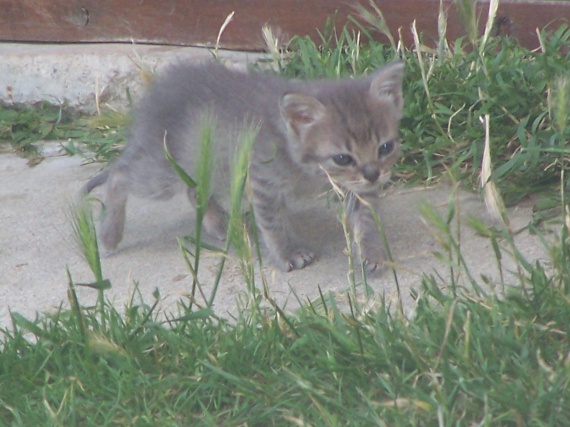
<point>96,181</point>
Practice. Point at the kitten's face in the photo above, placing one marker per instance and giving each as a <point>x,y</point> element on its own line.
<point>356,149</point>
<point>352,136</point>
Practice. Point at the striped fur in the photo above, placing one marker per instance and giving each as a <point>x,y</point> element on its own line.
<point>342,130</point>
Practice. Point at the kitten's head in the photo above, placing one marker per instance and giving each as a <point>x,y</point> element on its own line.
<point>351,131</point>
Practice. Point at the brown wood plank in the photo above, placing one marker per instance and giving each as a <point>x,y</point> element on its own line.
<point>197,22</point>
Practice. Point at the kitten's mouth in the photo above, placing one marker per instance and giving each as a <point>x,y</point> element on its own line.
<point>364,186</point>
<point>361,185</point>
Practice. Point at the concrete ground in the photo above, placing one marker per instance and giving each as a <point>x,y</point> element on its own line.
<point>37,246</point>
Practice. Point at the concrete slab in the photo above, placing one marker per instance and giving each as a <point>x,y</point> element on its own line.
<point>37,245</point>
<point>81,76</point>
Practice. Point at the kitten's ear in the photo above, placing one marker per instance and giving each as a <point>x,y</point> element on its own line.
<point>387,83</point>
<point>300,112</point>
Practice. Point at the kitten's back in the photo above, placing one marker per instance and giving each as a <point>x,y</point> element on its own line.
<point>186,89</point>
<point>172,107</point>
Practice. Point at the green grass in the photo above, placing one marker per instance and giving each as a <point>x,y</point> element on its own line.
<point>98,138</point>
<point>493,353</point>
<point>448,92</point>
<point>458,360</point>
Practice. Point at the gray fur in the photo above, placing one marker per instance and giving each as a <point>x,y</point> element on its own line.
<point>304,126</point>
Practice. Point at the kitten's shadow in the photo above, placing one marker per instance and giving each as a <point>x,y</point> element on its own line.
<point>318,228</point>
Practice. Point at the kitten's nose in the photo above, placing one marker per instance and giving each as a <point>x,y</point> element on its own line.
<point>371,172</point>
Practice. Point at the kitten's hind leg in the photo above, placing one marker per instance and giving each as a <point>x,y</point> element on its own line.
<point>215,218</point>
<point>113,222</point>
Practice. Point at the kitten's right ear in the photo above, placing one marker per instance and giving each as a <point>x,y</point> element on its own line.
<point>300,112</point>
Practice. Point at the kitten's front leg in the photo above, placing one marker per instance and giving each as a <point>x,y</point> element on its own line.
<point>365,231</point>
<point>273,220</point>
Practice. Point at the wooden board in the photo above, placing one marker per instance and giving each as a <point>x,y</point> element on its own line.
<point>197,22</point>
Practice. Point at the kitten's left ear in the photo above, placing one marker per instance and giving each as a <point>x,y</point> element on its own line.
<point>387,83</point>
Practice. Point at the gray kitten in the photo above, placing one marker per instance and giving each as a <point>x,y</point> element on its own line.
<point>309,133</point>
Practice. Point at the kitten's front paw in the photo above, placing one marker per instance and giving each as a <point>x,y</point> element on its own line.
<point>296,260</point>
<point>299,259</point>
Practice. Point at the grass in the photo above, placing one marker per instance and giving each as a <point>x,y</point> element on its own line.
<point>23,129</point>
<point>495,353</point>
<point>468,359</point>
<point>448,93</point>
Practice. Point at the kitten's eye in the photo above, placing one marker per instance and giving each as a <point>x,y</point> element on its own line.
<point>386,148</point>
<point>342,159</point>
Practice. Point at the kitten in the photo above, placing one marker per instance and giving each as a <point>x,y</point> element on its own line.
<point>309,132</point>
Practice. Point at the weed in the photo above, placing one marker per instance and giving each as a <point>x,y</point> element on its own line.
<point>459,358</point>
